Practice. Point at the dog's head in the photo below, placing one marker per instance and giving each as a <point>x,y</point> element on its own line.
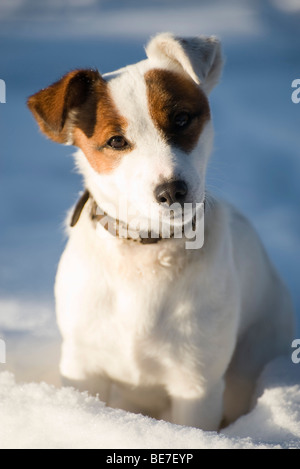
<point>145,131</point>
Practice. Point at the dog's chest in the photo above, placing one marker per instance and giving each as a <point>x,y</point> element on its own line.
<point>137,333</point>
<point>134,308</point>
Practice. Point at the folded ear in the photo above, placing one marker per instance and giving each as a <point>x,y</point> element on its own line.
<point>200,57</point>
<point>68,103</point>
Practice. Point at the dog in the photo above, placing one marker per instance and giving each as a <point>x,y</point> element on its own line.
<point>148,325</point>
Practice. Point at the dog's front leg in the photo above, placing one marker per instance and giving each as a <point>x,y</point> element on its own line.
<point>204,411</point>
<point>74,374</point>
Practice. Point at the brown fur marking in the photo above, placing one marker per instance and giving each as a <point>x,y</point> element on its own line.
<point>169,94</point>
<point>79,108</point>
<point>108,124</point>
<point>68,102</point>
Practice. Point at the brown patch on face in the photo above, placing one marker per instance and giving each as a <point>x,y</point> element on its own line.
<point>79,109</point>
<point>109,123</point>
<point>178,107</point>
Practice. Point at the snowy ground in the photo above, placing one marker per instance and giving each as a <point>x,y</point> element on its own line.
<point>41,416</point>
<point>256,165</point>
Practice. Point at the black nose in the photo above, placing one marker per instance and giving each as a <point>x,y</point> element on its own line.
<point>172,192</point>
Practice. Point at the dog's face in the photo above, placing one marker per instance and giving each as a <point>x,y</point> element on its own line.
<point>145,132</point>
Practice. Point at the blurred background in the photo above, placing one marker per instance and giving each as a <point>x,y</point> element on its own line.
<point>255,165</point>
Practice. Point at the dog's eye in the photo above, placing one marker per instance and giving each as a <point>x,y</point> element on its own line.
<point>118,143</point>
<point>182,119</point>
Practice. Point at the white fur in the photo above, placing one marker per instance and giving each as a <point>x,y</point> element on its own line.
<point>159,329</point>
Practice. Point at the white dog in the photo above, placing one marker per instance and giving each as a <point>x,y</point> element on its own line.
<point>152,326</point>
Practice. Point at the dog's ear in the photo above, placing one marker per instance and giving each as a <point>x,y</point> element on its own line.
<point>67,103</point>
<point>200,57</point>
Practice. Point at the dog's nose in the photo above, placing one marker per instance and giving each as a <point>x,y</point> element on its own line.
<point>172,192</point>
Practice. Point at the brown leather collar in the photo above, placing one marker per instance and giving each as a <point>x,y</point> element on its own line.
<point>107,222</point>
<point>79,207</point>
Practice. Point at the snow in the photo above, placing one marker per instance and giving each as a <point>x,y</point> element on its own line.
<point>41,416</point>
<point>256,166</point>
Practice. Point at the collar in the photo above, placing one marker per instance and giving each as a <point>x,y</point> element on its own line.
<point>107,222</point>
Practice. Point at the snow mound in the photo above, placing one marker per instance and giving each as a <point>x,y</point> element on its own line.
<point>40,416</point>
<point>276,417</point>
